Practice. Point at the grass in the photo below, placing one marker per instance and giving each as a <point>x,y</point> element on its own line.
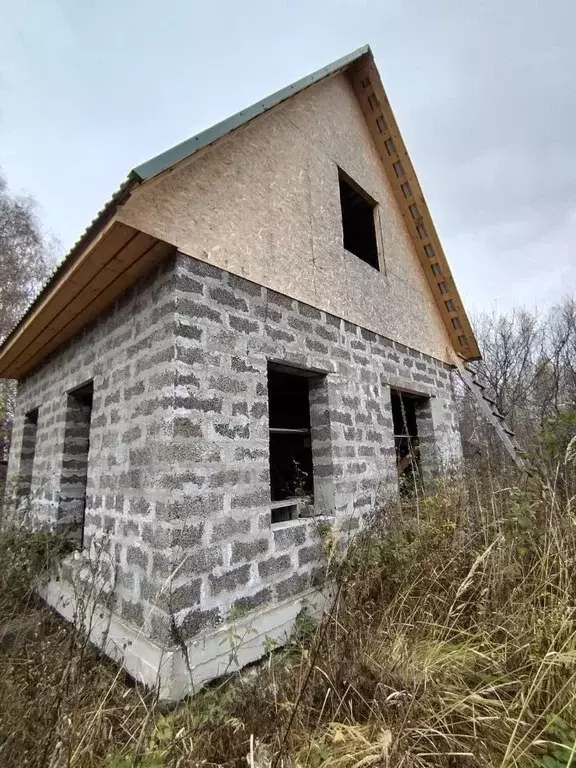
<point>451,641</point>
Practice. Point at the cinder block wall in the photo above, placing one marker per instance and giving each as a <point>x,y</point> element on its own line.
<point>129,354</point>
<point>179,467</point>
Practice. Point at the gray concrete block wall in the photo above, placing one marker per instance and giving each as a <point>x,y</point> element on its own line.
<point>179,467</point>
<point>227,332</point>
<point>128,354</point>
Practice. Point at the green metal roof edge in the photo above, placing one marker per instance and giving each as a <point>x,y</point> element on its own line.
<point>179,152</point>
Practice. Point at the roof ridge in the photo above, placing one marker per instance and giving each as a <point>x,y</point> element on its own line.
<point>184,149</point>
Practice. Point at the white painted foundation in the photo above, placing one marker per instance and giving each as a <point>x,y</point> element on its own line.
<point>208,656</point>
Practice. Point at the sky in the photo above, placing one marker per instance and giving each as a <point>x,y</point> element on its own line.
<point>484,92</point>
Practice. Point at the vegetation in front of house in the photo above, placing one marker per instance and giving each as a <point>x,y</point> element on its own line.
<point>451,641</point>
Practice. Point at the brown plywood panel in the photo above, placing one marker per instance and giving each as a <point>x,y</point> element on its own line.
<point>264,203</point>
<point>409,196</point>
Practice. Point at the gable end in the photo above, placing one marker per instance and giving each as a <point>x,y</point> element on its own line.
<point>410,198</point>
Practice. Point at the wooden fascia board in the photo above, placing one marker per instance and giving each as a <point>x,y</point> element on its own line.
<point>29,327</point>
<point>114,260</point>
<point>388,140</point>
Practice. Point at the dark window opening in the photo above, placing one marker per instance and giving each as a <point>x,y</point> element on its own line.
<point>406,440</point>
<point>291,475</point>
<point>28,450</point>
<point>358,222</point>
<point>72,506</point>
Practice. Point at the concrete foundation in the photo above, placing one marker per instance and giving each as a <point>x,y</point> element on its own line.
<point>181,671</point>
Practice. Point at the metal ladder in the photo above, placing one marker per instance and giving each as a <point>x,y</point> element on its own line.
<point>490,411</point>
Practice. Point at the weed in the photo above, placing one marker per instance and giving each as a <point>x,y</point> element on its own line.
<point>451,641</point>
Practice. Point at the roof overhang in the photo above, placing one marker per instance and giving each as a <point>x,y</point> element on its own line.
<point>90,283</point>
<point>110,256</point>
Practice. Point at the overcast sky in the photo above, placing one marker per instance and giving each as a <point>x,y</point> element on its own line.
<point>484,92</point>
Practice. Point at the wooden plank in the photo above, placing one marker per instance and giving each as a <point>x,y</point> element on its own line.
<point>388,140</point>
<point>497,422</point>
<point>114,237</point>
<point>133,250</point>
<point>147,261</point>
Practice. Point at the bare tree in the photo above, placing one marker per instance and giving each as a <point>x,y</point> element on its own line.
<point>529,367</point>
<point>26,258</point>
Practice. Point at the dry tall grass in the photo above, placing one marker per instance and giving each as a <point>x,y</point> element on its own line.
<point>451,642</point>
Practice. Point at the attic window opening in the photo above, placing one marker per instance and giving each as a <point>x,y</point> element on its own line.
<point>365,82</point>
<point>414,211</point>
<point>456,323</point>
<point>358,226</point>
<point>450,306</point>
<point>406,189</point>
<point>443,287</point>
<point>463,341</point>
<point>429,251</point>
<point>291,469</point>
<point>436,269</point>
<point>398,169</point>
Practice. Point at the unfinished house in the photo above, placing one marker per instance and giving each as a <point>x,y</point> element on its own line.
<point>255,334</point>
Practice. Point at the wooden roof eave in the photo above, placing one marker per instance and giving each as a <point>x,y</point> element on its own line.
<point>111,262</point>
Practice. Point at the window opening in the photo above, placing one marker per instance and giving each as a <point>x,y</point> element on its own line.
<point>28,450</point>
<point>74,476</point>
<point>406,440</point>
<point>358,225</point>
<point>291,474</point>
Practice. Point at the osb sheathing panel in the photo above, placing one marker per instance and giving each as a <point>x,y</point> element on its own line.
<point>264,203</point>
